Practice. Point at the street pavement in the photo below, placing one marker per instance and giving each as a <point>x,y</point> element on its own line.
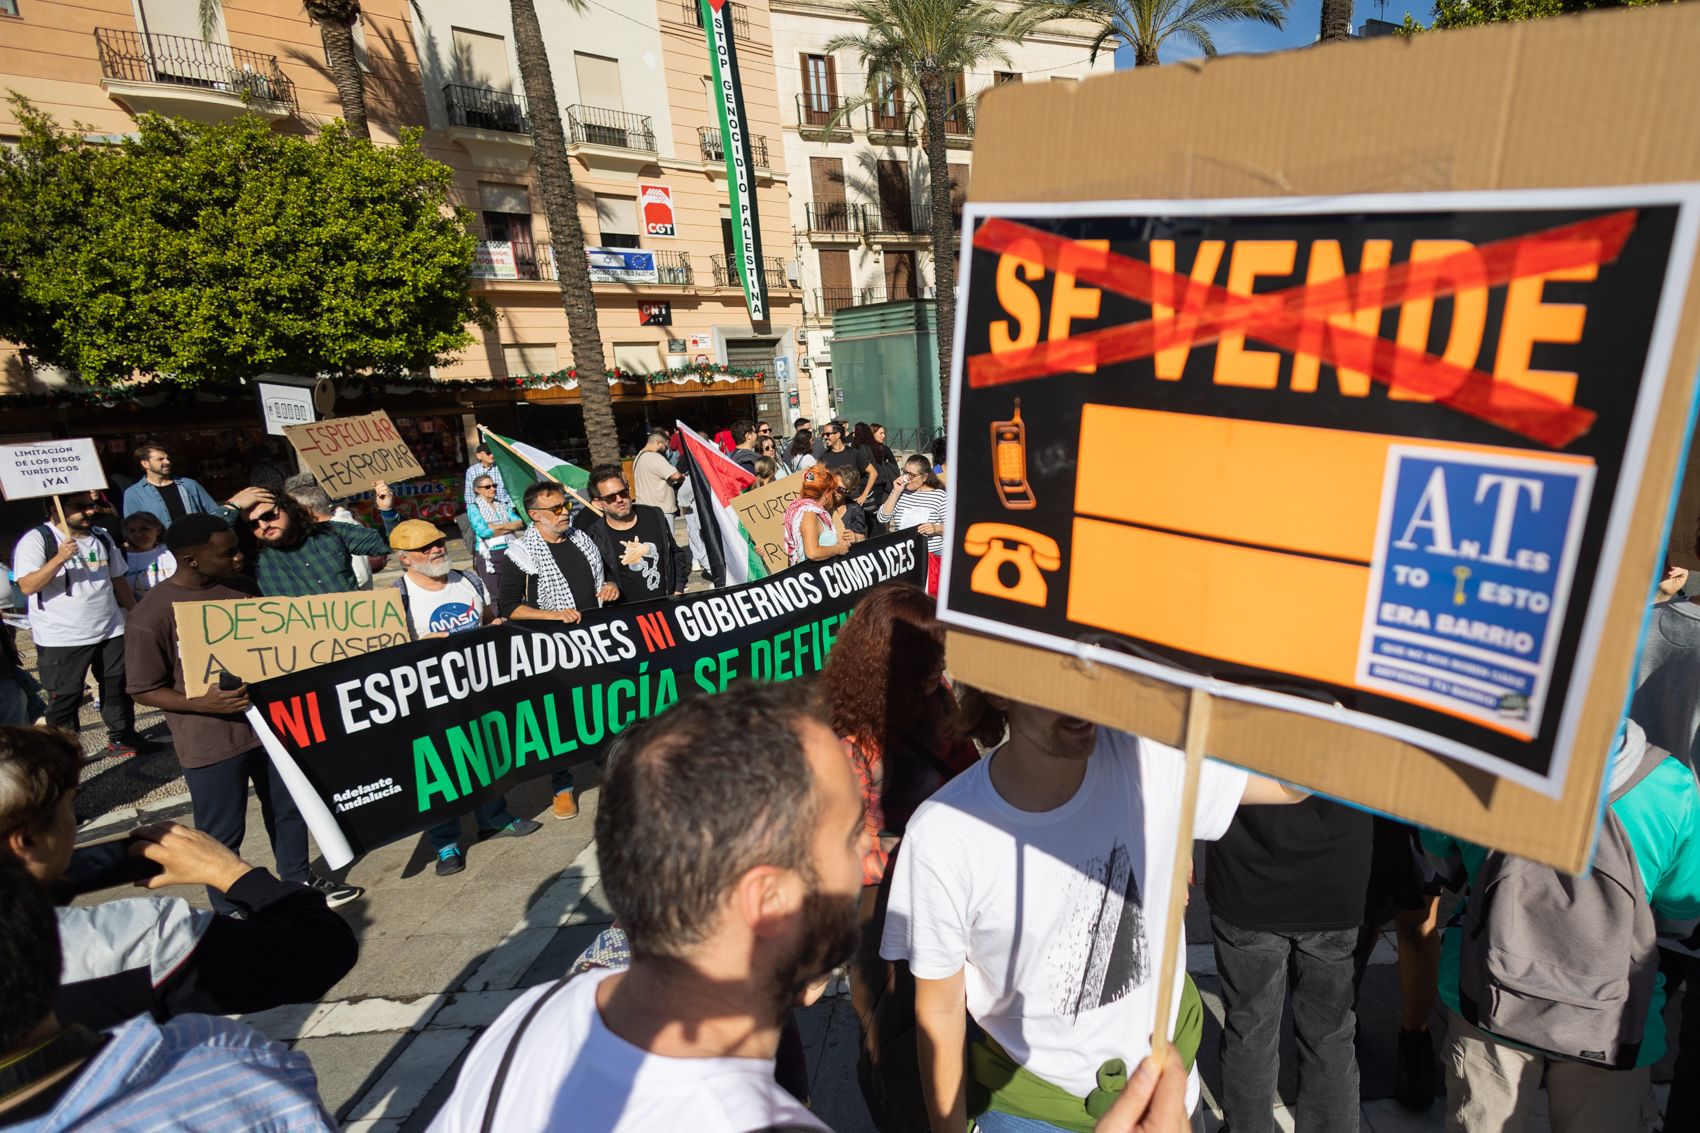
<point>441,957</point>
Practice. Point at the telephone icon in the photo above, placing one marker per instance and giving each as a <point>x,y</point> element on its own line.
<point>1031,553</point>
<point>1009,463</point>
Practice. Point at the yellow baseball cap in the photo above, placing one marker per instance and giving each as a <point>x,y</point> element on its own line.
<point>412,534</point>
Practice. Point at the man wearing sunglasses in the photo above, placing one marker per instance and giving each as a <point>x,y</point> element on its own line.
<point>636,540</point>
<point>550,574</point>
<point>298,556</point>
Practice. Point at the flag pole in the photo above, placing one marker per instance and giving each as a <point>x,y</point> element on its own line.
<point>541,473</point>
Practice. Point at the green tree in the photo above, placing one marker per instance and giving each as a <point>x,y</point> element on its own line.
<point>919,47</point>
<point>1336,20</point>
<point>209,253</point>
<point>560,206</point>
<point>1146,25</point>
<point>1470,13</point>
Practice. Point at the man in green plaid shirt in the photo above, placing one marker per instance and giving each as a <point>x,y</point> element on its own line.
<point>298,556</point>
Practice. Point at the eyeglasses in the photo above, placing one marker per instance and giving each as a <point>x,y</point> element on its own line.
<point>830,433</point>
<point>270,515</point>
<point>558,509</point>
<point>622,494</point>
<point>484,487</point>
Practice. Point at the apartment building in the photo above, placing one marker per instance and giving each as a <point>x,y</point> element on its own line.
<point>860,187</point>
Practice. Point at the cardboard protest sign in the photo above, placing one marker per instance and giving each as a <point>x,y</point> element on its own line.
<point>762,512</point>
<point>1386,473</point>
<point>260,638</point>
<point>346,454</point>
<point>383,745</point>
<point>36,469</point>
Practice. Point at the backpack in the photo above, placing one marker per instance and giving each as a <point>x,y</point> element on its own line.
<point>1564,964</point>
<point>454,575</point>
<point>50,546</point>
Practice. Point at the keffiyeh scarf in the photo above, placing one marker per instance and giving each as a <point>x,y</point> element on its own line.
<point>532,555</point>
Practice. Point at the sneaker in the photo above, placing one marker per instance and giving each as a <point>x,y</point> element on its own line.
<point>121,749</point>
<point>518,828</point>
<point>336,892</point>
<point>450,861</point>
<point>1414,1072</point>
<point>565,805</point>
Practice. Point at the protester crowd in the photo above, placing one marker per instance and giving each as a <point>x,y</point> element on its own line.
<point>991,876</point>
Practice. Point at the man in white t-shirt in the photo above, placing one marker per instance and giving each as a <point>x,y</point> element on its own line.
<point>77,595</point>
<point>1031,893</point>
<point>728,834</point>
<point>441,601</point>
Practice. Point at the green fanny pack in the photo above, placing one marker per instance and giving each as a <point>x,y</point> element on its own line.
<point>995,1081</point>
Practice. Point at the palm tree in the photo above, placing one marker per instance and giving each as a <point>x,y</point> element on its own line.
<point>1145,25</point>
<point>336,20</point>
<point>919,47</point>
<point>560,205</point>
<point>1336,20</point>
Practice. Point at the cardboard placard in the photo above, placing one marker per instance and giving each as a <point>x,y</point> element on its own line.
<point>762,512</point>
<point>1369,435</point>
<point>260,638</point>
<point>346,454</point>
<point>50,468</point>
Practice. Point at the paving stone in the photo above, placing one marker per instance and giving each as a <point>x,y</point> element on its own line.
<point>410,1076</point>
<point>349,1065</point>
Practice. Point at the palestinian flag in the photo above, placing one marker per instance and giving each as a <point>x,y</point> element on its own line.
<point>732,556</point>
<point>522,465</point>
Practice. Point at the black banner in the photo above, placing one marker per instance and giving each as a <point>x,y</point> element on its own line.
<point>385,745</point>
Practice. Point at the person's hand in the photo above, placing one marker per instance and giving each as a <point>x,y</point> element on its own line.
<point>1154,1101</point>
<point>811,994</point>
<point>609,592</point>
<point>433,636</point>
<point>66,552</point>
<point>222,701</point>
<point>569,616</point>
<point>248,497</point>
<point>190,857</point>
<point>382,498</point>
<point>1675,579</point>
<point>852,537</point>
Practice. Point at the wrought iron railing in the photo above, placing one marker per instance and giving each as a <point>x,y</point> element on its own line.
<point>691,14</point>
<point>834,216</point>
<point>915,221</point>
<point>675,268</point>
<point>829,300</point>
<point>515,259</point>
<point>960,124</point>
<point>816,109</point>
<point>181,60</point>
<point>714,149</point>
<point>726,272</point>
<point>890,118</point>
<point>599,126</point>
<point>482,108</point>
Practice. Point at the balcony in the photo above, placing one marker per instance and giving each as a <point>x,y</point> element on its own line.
<point>834,222</point>
<point>674,269</point>
<point>726,272</point>
<point>190,78</point>
<point>714,150</point>
<point>816,111</point>
<point>888,124</point>
<point>899,225</point>
<point>520,260</point>
<point>490,125</point>
<point>831,300</point>
<point>959,129</point>
<point>690,14</point>
<point>611,137</point>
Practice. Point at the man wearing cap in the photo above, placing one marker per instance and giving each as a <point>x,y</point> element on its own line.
<point>440,600</point>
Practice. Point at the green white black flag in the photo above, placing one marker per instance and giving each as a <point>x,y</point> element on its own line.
<point>740,164</point>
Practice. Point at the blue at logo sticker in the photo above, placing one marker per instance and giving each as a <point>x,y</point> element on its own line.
<point>452,617</point>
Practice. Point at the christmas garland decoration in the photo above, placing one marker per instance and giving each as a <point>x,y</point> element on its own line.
<point>150,395</point>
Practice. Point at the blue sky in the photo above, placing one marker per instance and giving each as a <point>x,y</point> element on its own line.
<point>1303,19</point>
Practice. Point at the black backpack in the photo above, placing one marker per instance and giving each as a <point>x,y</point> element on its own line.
<point>50,544</point>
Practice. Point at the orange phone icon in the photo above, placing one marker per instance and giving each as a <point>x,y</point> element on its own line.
<point>1031,553</point>
<point>1009,462</point>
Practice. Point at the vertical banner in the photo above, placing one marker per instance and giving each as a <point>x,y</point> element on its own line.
<point>740,163</point>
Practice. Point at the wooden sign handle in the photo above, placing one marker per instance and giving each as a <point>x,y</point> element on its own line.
<point>59,506</point>
<point>1197,735</point>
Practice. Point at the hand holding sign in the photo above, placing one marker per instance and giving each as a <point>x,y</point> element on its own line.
<point>382,496</point>
<point>218,701</point>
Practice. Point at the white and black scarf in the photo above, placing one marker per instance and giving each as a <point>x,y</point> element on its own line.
<point>532,555</point>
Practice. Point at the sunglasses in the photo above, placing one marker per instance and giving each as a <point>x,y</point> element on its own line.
<point>270,515</point>
<point>484,487</point>
<point>622,494</point>
<point>558,509</point>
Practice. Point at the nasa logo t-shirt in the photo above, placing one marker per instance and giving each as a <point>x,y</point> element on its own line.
<point>455,608</point>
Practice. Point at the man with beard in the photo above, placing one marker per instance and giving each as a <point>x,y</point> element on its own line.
<point>439,601</point>
<point>729,837</point>
<point>297,555</point>
<point>636,540</point>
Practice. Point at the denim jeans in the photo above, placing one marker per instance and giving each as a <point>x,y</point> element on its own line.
<point>218,797</point>
<point>491,816</point>
<point>1257,969</point>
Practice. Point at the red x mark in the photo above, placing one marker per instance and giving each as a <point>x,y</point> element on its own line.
<point>1295,319</point>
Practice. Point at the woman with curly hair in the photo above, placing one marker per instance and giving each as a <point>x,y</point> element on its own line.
<point>888,701</point>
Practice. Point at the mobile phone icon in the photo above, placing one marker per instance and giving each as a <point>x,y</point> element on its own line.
<point>1009,462</point>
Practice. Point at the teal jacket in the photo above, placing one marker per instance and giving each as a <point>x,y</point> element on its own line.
<point>1662,818</point>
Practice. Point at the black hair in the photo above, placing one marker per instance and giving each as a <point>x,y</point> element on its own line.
<point>482,448</point>
<point>542,488</point>
<point>147,449</point>
<point>605,472</point>
<point>695,798</point>
<point>742,428</point>
<point>29,954</point>
<point>194,530</point>
<point>939,448</point>
<point>799,423</point>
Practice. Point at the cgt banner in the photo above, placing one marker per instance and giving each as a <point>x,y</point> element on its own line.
<point>382,746</point>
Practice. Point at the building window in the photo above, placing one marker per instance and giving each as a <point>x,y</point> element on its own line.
<point>1001,77</point>
<point>530,358</point>
<point>617,222</point>
<point>820,88</point>
<point>637,357</point>
<point>8,7</point>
